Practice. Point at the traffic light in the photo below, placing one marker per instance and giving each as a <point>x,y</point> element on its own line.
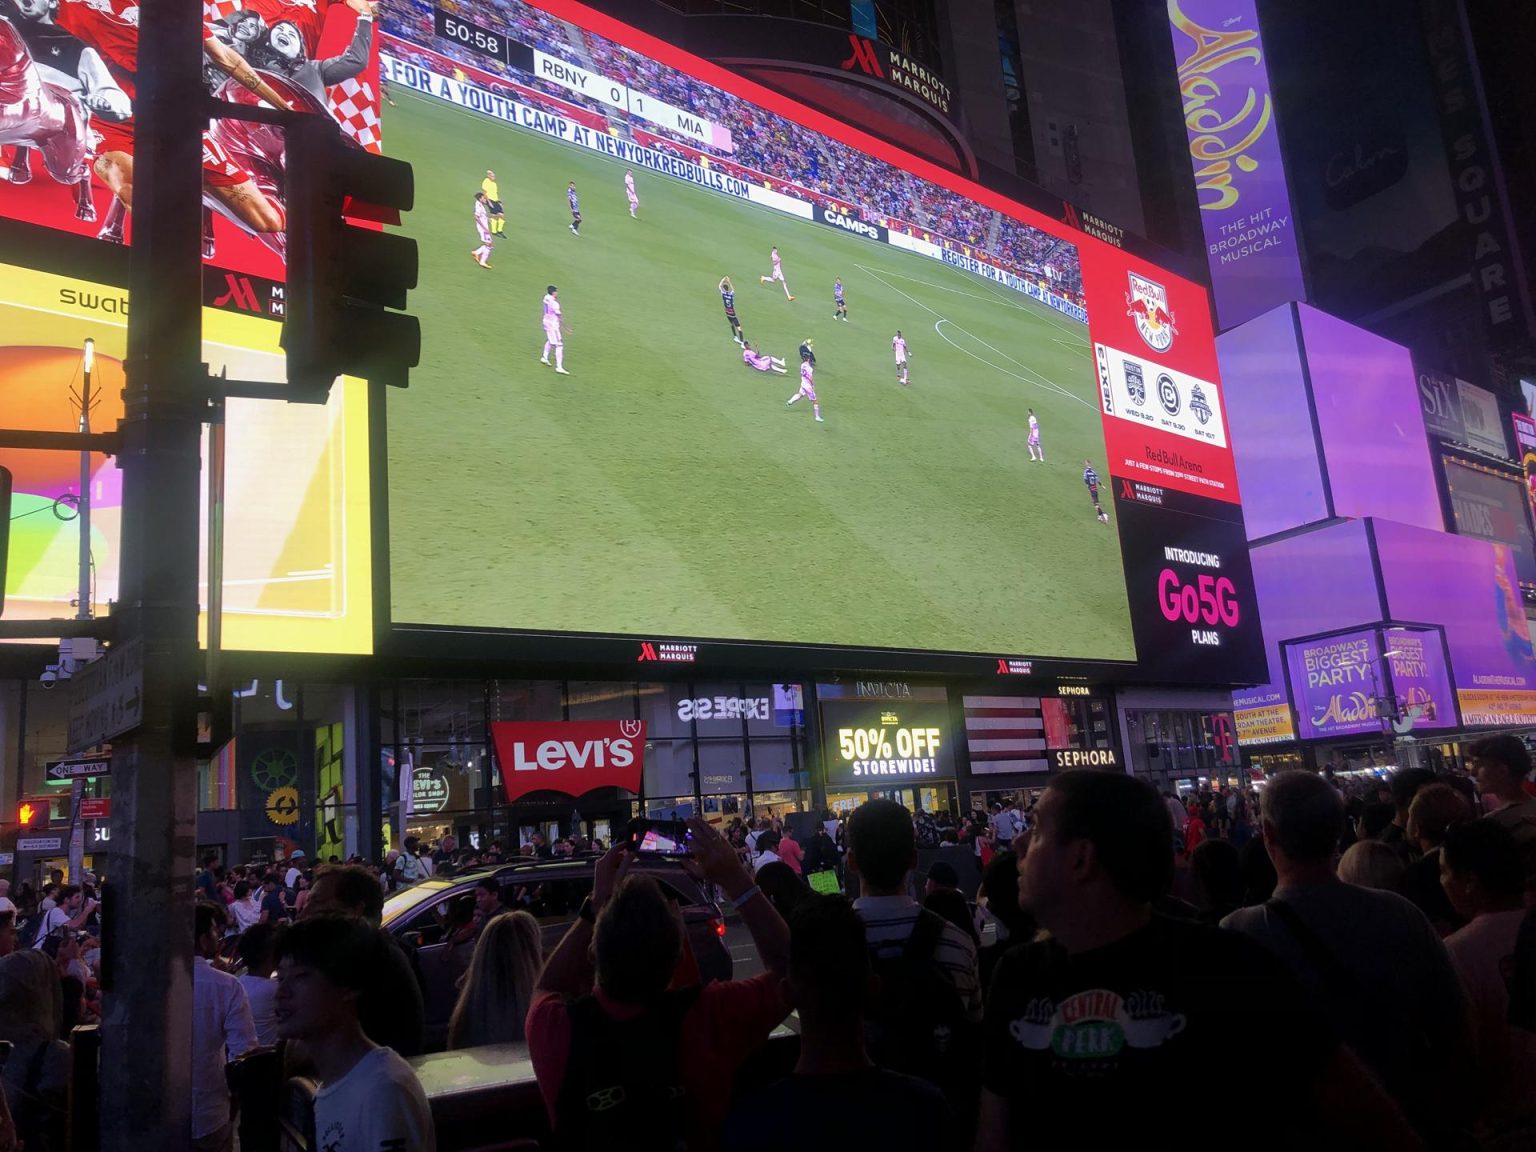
<point>344,280</point>
<point>32,815</point>
<point>5,529</point>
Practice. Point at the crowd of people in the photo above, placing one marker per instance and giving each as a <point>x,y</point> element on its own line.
<point>1370,959</point>
<point>763,143</point>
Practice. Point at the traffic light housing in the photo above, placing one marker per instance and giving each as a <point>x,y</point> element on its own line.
<point>5,529</point>
<point>31,815</point>
<point>345,281</point>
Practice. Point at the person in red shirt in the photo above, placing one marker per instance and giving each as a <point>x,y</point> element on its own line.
<point>1194,831</point>
<point>791,853</point>
<point>626,1047</point>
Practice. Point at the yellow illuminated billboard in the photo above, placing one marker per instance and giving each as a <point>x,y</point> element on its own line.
<point>297,537</point>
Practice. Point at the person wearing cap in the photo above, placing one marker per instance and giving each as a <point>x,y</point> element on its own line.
<point>291,877</point>
<point>941,876</point>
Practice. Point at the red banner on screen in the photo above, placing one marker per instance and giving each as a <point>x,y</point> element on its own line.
<point>570,756</point>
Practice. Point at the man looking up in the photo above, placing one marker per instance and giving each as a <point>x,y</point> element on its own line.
<point>1091,1033</point>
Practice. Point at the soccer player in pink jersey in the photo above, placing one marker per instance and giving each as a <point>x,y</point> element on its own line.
<point>778,274</point>
<point>899,346</point>
<point>762,361</point>
<point>482,254</point>
<point>552,335</point>
<point>629,190</point>
<point>807,386</point>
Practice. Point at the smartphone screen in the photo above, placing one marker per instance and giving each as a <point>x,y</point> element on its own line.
<point>662,837</point>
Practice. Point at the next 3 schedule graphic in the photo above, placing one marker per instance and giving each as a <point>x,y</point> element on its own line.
<point>908,430</point>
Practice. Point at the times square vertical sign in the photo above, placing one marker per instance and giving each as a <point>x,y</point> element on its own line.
<point>1234,149</point>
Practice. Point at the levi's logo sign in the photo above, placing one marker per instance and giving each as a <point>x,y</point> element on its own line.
<point>863,58</point>
<point>569,756</point>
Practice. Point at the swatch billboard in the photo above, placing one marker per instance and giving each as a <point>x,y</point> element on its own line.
<point>1234,148</point>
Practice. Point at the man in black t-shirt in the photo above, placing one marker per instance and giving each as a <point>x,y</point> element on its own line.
<point>274,910</point>
<point>1092,1035</point>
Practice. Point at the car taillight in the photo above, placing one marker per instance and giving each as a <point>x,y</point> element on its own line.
<point>720,928</point>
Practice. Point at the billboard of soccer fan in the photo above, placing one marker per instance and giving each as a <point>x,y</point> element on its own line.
<point>68,72</point>
<point>722,369</point>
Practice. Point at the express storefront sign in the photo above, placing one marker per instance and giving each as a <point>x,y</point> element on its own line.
<point>569,756</point>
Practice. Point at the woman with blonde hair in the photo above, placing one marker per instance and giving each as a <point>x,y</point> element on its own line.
<point>498,988</point>
<point>1373,864</point>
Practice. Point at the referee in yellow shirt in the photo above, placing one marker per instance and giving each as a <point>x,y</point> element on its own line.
<point>493,198</point>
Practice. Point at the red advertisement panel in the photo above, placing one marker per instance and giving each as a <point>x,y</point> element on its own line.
<point>1155,356</point>
<point>570,756</point>
<point>67,125</point>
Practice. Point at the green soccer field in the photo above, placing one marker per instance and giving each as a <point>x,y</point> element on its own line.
<point>664,488</point>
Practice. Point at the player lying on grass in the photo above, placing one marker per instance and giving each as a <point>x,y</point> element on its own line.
<point>761,361</point>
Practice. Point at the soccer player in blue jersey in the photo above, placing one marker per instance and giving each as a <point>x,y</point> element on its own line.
<point>570,194</point>
<point>1091,479</point>
<point>841,312</point>
<point>728,298</point>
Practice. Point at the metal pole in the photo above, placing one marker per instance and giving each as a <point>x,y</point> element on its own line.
<point>147,1027</point>
<point>84,609</point>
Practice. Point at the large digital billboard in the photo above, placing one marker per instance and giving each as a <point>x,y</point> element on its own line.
<point>1234,149</point>
<point>68,136</point>
<point>297,534</point>
<point>722,369</point>
<point>1492,505</point>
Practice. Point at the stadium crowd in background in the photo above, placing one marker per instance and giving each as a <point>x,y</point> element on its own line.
<point>767,147</point>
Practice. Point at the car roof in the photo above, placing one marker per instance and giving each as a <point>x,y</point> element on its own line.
<point>425,891</point>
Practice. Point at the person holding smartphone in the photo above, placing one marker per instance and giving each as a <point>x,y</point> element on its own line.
<point>614,1044</point>
<point>69,913</point>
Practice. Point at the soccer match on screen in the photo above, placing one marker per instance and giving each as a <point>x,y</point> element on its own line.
<point>692,368</point>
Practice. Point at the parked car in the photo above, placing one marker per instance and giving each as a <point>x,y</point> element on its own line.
<point>552,891</point>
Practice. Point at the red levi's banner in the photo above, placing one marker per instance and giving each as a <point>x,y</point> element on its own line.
<point>570,756</point>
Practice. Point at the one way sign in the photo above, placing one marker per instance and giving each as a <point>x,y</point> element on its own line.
<point>77,767</point>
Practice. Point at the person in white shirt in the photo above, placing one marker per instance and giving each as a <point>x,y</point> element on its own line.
<point>767,849</point>
<point>258,952</point>
<point>369,1098</point>
<point>246,908</point>
<point>221,1030</point>
<point>291,877</point>
<point>71,912</point>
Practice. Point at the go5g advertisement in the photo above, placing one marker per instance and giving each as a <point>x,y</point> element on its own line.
<point>868,742</point>
<point>297,558</point>
<point>726,372</point>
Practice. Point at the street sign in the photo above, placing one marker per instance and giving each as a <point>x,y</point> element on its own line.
<point>77,767</point>
<point>7,859</point>
<point>107,696</point>
<point>40,844</point>
<point>96,808</point>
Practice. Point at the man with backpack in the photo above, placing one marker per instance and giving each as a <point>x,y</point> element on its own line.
<point>923,1021</point>
<point>628,1049</point>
